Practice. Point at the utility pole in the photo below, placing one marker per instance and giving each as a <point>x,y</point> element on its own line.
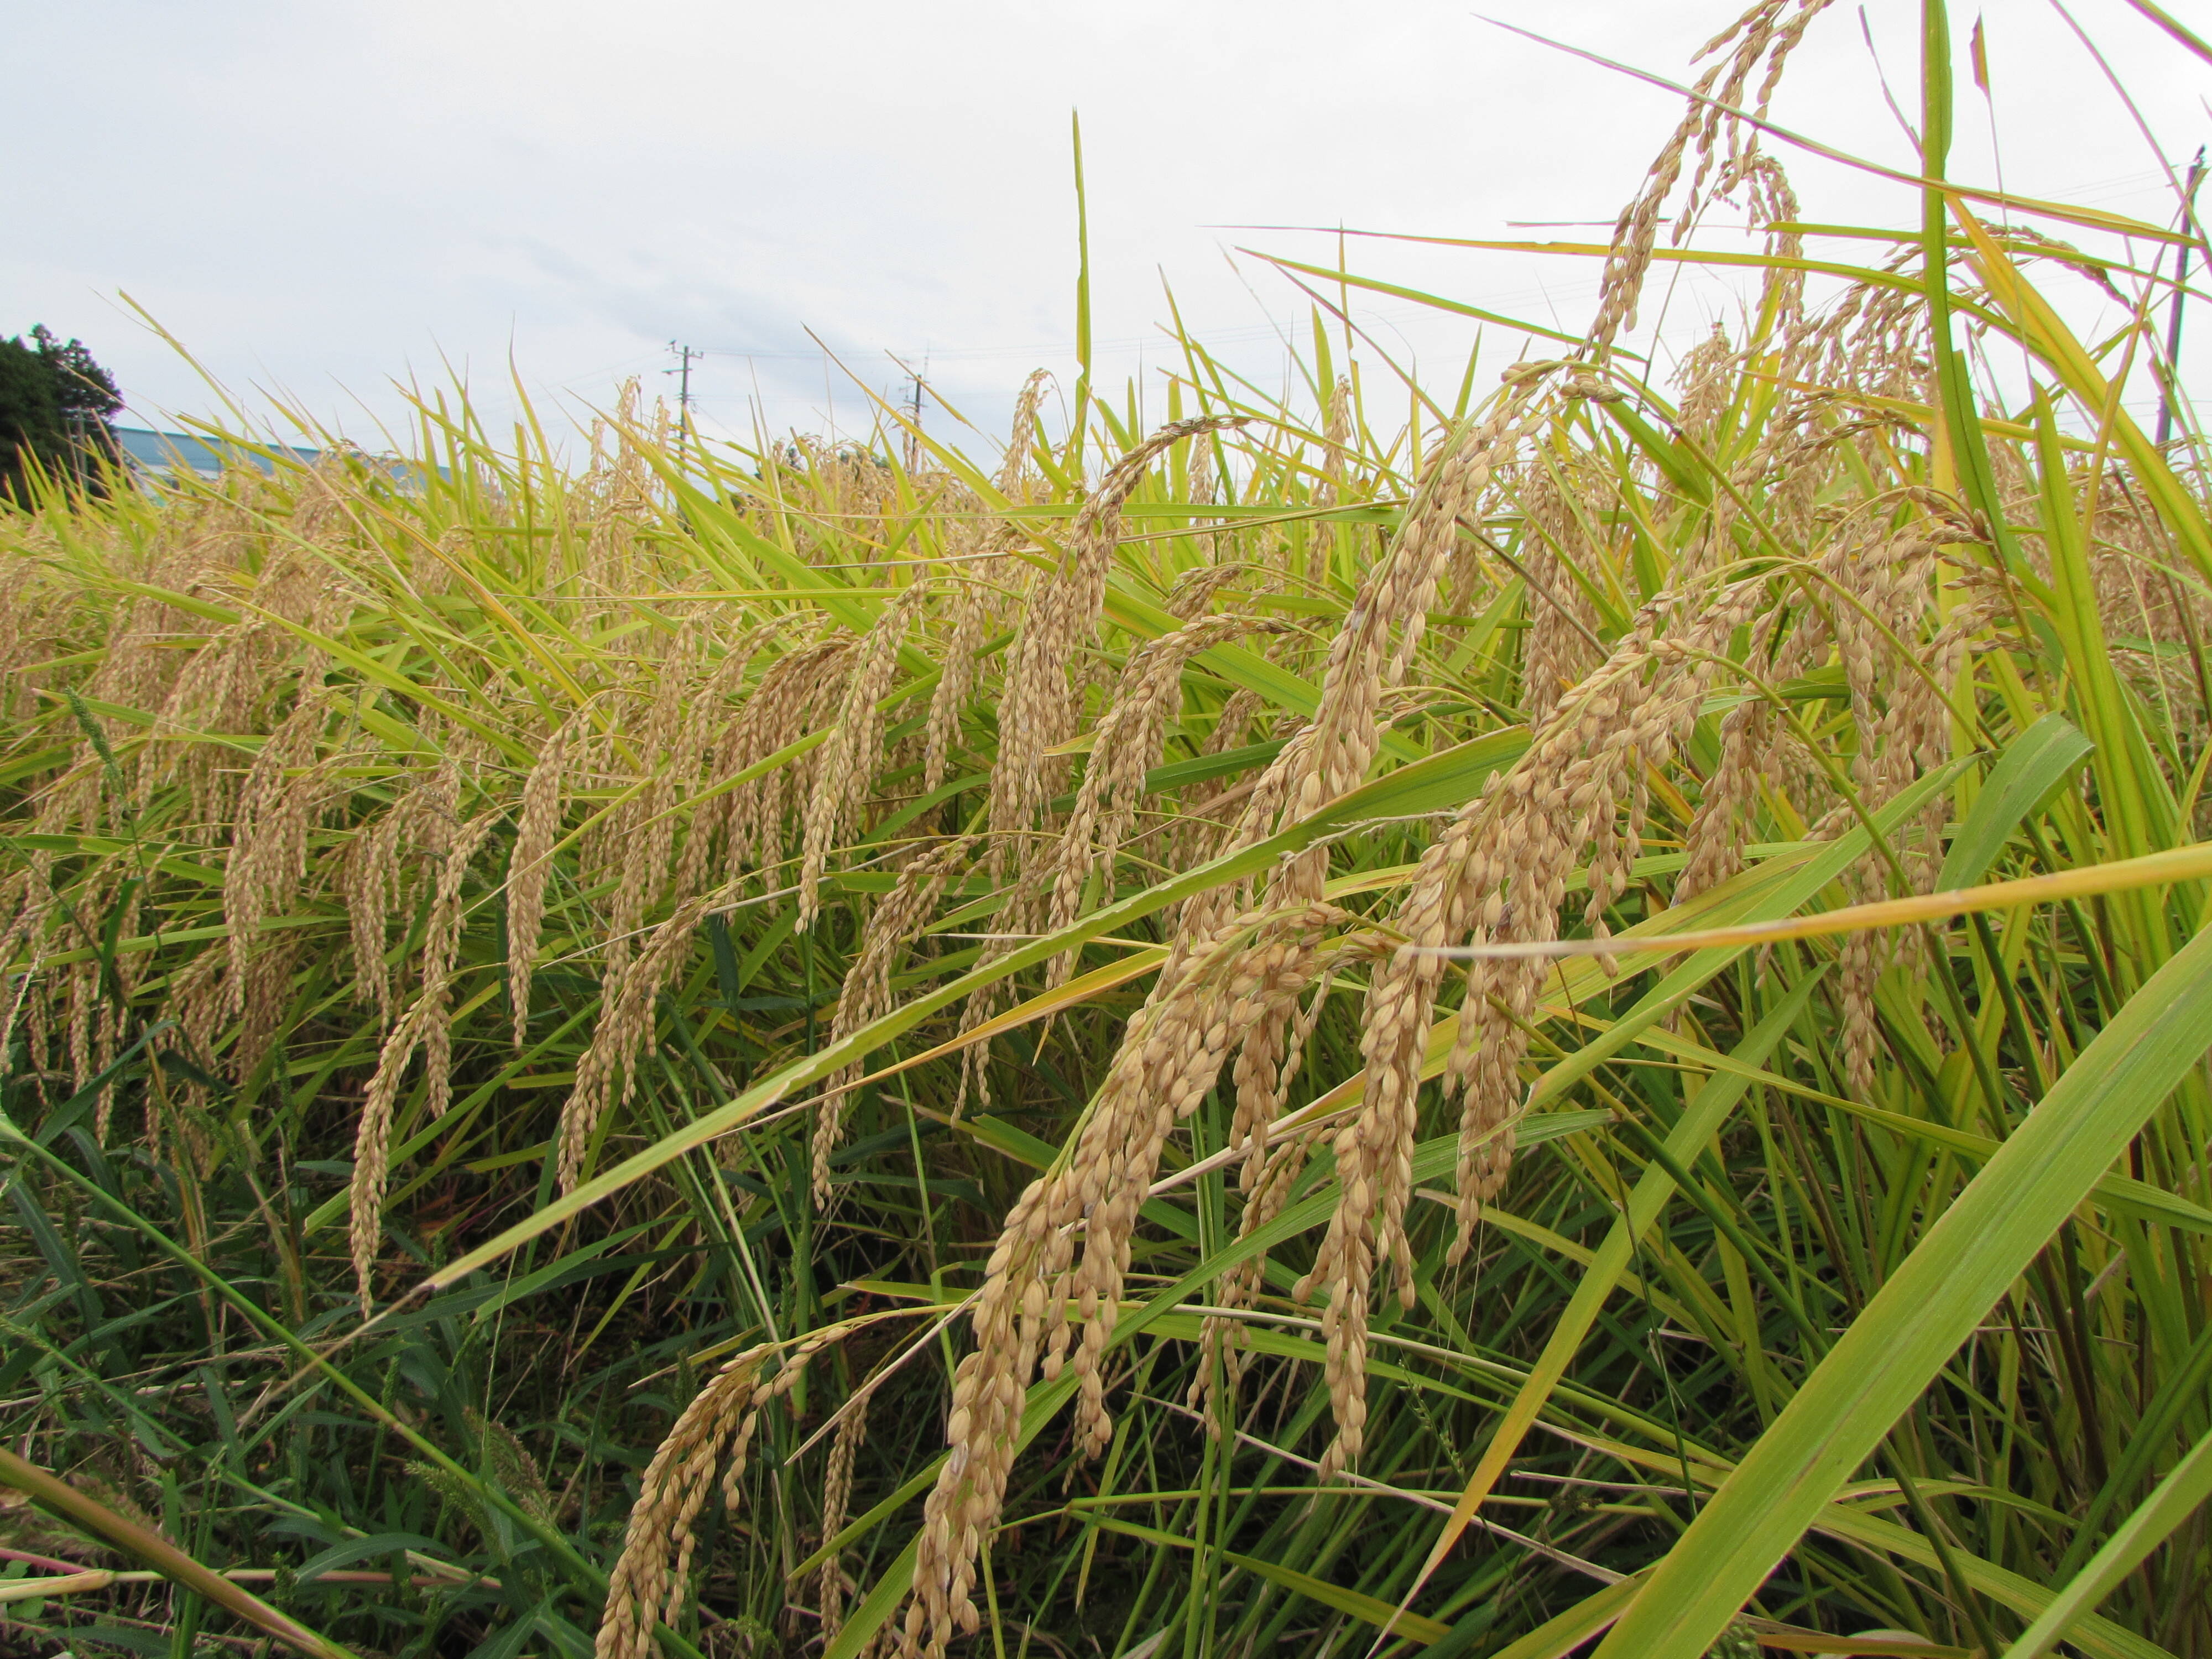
<point>683,392</point>
<point>2173,376</point>
<point>914,429</point>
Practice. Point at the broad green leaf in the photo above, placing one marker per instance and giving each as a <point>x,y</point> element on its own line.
<point>2033,765</point>
<point>1917,1320</point>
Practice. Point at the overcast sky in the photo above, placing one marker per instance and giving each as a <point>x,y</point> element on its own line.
<point>326,197</point>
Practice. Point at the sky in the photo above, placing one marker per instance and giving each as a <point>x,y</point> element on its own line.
<point>325,202</point>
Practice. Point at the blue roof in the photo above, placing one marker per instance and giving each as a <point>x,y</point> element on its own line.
<point>163,453</point>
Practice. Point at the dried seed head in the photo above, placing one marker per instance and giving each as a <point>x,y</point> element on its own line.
<point>1041,704</point>
<point>1038,1297</point>
<point>779,712</point>
<point>866,995</point>
<point>955,686</point>
<point>26,902</point>
<point>1321,538</point>
<point>1195,591</point>
<point>1014,471</point>
<point>1372,650</point>
<point>1766,34</point>
<point>1265,1066</point>
<point>640,827</point>
<point>269,858</point>
<point>652,1577</point>
<point>836,1494</point>
<point>1203,479</point>
<point>1558,555</point>
<point>1126,744</point>
<point>531,865</point>
<point>372,880</point>
<point>626,1019</point>
<point>709,795</point>
<point>849,760</point>
<point>428,1024</point>
<point>1498,872</point>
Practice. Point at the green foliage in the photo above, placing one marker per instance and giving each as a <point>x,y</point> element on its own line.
<point>56,409</point>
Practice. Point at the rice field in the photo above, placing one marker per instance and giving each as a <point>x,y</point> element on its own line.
<point>1557,1012</point>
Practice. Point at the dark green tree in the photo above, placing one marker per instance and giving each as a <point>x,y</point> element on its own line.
<point>56,406</point>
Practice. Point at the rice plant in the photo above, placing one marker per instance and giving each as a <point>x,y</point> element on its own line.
<point>1572,1024</point>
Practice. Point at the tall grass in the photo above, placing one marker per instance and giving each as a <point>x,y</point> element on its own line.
<point>1579,1024</point>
